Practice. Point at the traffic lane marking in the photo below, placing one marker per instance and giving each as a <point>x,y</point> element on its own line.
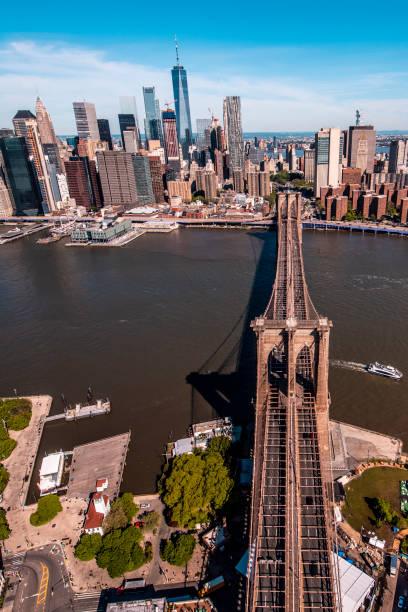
<point>42,591</point>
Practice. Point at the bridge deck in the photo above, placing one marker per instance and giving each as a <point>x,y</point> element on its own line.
<point>291,539</point>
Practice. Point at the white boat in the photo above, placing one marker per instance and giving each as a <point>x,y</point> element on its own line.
<point>384,370</point>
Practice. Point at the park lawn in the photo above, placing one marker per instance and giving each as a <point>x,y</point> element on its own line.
<point>374,482</point>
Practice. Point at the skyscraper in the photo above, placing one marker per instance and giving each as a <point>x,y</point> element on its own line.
<point>182,103</point>
<point>203,133</point>
<point>6,198</point>
<point>143,177</point>
<point>328,158</point>
<point>156,173</point>
<point>19,176</point>
<point>361,147</point>
<point>128,107</point>
<point>83,182</point>
<point>170,135</point>
<point>398,156</point>
<point>25,125</point>
<point>85,118</point>
<point>104,132</point>
<point>233,130</point>
<point>47,134</point>
<point>127,120</point>
<point>153,130</point>
<point>118,179</point>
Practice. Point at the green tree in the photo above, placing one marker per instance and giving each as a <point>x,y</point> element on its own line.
<point>128,505</point>
<point>47,508</point>
<point>121,551</point>
<point>219,444</point>
<point>115,519</point>
<point>4,526</point>
<point>16,412</point>
<point>151,520</point>
<point>88,546</point>
<point>4,478</point>
<point>404,546</point>
<point>179,549</point>
<point>196,487</point>
<point>148,552</point>
<point>7,447</point>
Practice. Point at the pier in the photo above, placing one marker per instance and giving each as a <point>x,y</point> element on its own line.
<point>82,412</point>
<point>103,459</point>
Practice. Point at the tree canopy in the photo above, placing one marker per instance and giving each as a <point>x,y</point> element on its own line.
<point>126,502</point>
<point>4,526</point>
<point>47,508</point>
<point>197,486</point>
<point>16,412</point>
<point>115,519</point>
<point>88,546</point>
<point>219,444</point>
<point>4,478</point>
<point>384,513</point>
<point>151,520</point>
<point>121,551</point>
<point>179,549</point>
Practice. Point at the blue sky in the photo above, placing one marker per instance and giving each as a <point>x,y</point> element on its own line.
<point>296,67</point>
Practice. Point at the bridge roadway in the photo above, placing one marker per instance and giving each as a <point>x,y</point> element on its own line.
<point>290,537</point>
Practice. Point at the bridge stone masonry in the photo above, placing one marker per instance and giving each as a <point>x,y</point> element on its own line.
<point>292,536</point>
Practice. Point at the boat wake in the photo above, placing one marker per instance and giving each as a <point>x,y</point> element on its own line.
<point>348,365</point>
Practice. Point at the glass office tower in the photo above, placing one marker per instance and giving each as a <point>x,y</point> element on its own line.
<point>20,176</point>
<point>182,103</point>
<point>153,127</point>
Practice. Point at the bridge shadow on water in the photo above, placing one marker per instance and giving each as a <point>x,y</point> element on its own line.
<point>232,393</point>
<point>226,381</point>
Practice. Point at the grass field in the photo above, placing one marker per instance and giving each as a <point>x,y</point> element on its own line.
<point>374,482</point>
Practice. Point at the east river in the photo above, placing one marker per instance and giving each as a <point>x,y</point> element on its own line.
<point>161,326</point>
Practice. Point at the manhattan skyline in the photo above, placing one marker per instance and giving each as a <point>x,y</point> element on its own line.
<point>296,76</point>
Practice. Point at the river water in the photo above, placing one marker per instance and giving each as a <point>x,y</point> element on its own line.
<point>161,326</point>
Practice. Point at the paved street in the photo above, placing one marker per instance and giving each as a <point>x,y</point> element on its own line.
<point>44,584</point>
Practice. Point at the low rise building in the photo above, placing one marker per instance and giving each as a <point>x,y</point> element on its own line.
<point>100,232</point>
<point>51,470</point>
<point>99,507</point>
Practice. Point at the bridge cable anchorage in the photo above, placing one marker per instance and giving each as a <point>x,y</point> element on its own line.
<point>292,537</point>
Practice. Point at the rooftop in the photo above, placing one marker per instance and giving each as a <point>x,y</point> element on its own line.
<point>50,464</point>
<point>24,114</point>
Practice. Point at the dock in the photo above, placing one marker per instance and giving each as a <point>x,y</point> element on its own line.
<point>102,459</point>
<point>5,239</point>
<point>116,242</point>
<point>82,412</point>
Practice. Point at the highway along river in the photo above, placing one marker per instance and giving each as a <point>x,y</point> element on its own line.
<point>161,326</point>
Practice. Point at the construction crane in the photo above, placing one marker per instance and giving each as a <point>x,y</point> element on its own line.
<point>167,104</point>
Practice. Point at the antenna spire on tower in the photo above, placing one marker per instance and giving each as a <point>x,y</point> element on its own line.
<point>177,52</point>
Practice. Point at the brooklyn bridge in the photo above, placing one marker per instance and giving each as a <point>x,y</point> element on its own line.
<point>292,565</point>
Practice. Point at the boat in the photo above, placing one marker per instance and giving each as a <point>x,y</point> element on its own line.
<point>384,370</point>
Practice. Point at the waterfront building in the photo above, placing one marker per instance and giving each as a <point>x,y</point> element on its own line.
<point>328,158</point>
<point>361,147</point>
<point>117,174</point>
<point>206,181</point>
<point>86,121</point>
<point>6,202</point>
<point>233,131</point>
<point>19,176</point>
<point>83,183</point>
<point>398,156</point>
<point>180,188</point>
<point>103,232</point>
<point>130,139</point>
<point>143,178</point>
<point>153,128</point>
<point>99,507</point>
<point>51,470</point>
<point>182,104</point>
<point>105,133</point>
<point>156,173</point>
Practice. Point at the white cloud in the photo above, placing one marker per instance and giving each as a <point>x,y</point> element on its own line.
<point>61,73</point>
